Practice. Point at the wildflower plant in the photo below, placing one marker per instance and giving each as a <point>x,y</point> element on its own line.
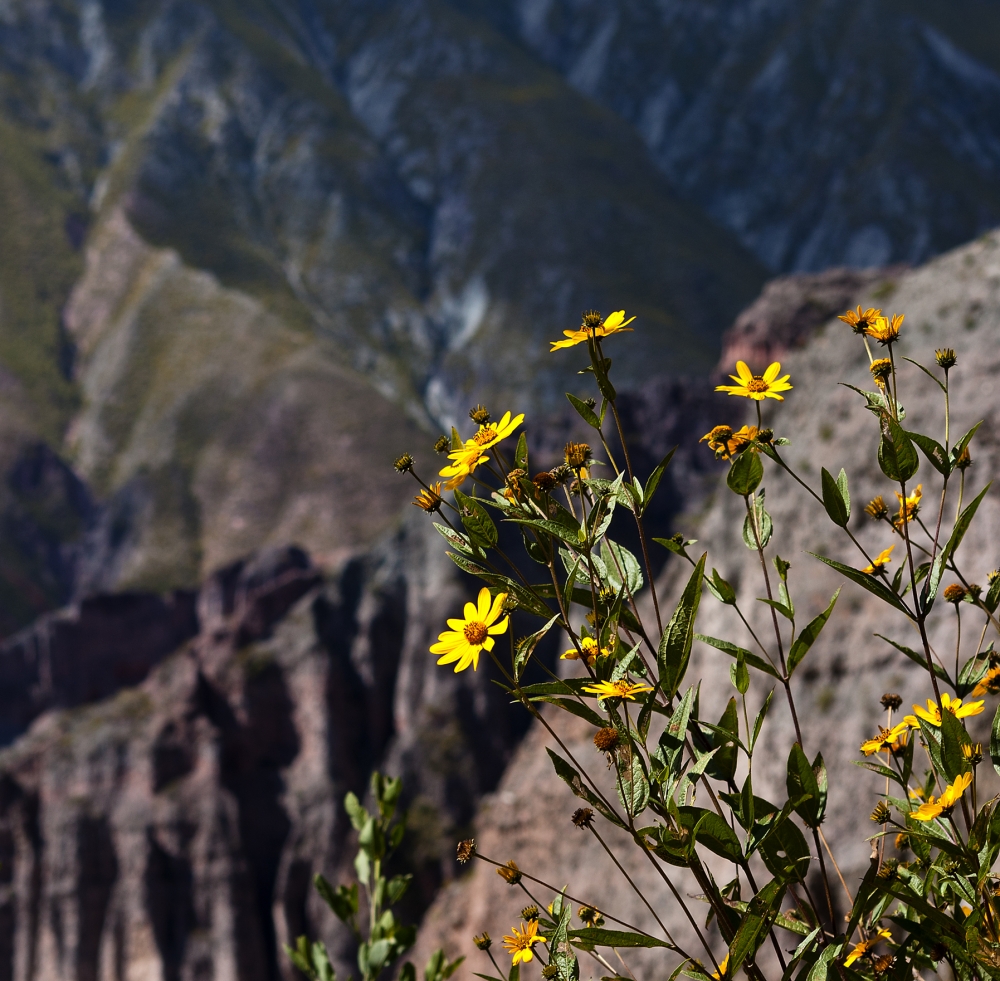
<point>365,906</point>
<point>628,660</point>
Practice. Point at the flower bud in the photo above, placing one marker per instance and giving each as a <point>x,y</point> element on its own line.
<point>881,814</point>
<point>404,463</point>
<point>479,415</point>
<point>529,913</point>
<point>945,357</point>
<point>954,593</point>
<point>510,873</point>
<point>442,444</point>
<point>577,455</point>
<point>876,508</point>
<point>483,941</point>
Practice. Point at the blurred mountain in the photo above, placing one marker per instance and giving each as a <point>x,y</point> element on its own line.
<point>821,132</point>
<point>250,252</point>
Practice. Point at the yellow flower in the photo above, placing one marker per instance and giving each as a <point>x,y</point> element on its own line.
<point>593,326</point>
<point>757,387</point>
<point>727,443</point>
<point>876,508</point>
<point>590,651</point>
<point>429,499</point>
<point>521,942</point>
<point>909,508</point>
<point>466,458</point>
<point>489,433</point>
<point>887,739</point>
<point>616,689</point>
<point>473,634</point>
<point>860,322</point>
<point>885,330</point>
<point>932,713</point>
<point>882,559</point>
<point>935,806</point>
<point>723,968</point>
<point>862,948</point>
<point>990,683</point>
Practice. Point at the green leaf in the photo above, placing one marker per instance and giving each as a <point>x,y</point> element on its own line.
<point>993,596</point>
<point>586,412</point>
<point>934,452</point>
<point>721,589</point>
<point>723,764</point>
<point>745,474</point>
<point>654,479</point>
<point>598,937</point>
<point>521,453</point>
<point>712,831</point>
<point>734,651</point>
<point>561,951</point>
<point>526,646</point>
<point>786,611</point>
<point>579,709</point>
<point>802,779</point>
<point>761,715</point>
<point>865,581</point>
<point>953,738</point>
<point>739,675</point>
<point>764,525</point>
<point>995,741</point>
<point>343,901</point>
<point>619,561</point>
<point>355,811</point>
<point>755,923</point>
<point>896,455</point>
<point>477,521</point>
<point>633,787</point>
<point>808,634</point>
<point>674,650</point>
<point>918,658</point>
<point>959,447</point>
<point>834,494</point>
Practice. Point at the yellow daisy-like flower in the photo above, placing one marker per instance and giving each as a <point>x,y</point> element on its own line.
<point>989,683</point>
<point>909,508</point>
<point>757,387</point>
<point>590,651</point>
<point>616,689</point>
<point>935,806</point>
<point>472,634</point>
<point>466,459</point>
<point>593,326</point>
<point>932,714</point>
<point>862,948</point>
<point>860,322</point>
<point>490,433</point>
<point>882,559</point>
<point>429,499</point>
<point>887,739</point>
<point>521,942</point>
<point>727,443</point>
<point>885,330</point>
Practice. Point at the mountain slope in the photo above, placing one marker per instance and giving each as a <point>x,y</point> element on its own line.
<point>820,132</point>
<point>298,239</point>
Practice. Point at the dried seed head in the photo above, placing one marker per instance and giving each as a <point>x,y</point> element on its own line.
<point>442,444</point>
<point>881,814</point>
<point>876,508</point>
<point>529,913</point>
<point>466,849</point>
<point>902,842</point>
<point>954,593</point>
<point>549,971</point>
<point>883,963</point>
<point>577,455</point>
<point>479,415</point>
<point>510,873</point>
<point>606,739</point>
<point>945,357</point>
<point>765,435</point>
<point>404,463</point>
<point>562,473</point>
<point>583,817</point>
<point>483,941</point>
<point>589,914</point>
<point>544,481</point>
<point>891,701</point>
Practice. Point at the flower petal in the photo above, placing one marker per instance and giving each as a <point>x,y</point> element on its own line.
<point>496,609</point>
<point>483,604</point>
<point>772,371</point>
<point>746,375</point>
<point>501,627</point>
